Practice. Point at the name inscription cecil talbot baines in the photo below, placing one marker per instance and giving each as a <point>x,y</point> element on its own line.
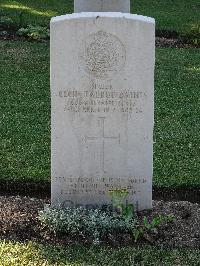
<point>102,83</point>
<point>102,99</point>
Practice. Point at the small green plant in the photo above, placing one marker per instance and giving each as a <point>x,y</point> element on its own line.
<point>34,32</point>
<point>137,229</point>
<point>118,197</point>
<point>146,227</point>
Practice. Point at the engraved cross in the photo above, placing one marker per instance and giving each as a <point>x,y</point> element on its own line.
<point>102,139</point>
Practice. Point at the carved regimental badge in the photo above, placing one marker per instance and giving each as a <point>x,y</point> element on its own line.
<point>102,55</point>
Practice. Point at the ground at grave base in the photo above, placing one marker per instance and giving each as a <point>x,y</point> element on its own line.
<point>161,42</point>
<point>19,222</point>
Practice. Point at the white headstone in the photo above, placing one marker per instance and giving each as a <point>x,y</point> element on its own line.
<point>102,6</point>
<point>102,91</point>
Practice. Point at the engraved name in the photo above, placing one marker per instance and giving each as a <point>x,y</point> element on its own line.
<point>102,100</point>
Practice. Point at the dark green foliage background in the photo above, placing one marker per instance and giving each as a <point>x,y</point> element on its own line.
<point>170,15</point>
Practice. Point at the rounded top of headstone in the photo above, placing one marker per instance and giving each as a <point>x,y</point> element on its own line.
<point>102,55</point>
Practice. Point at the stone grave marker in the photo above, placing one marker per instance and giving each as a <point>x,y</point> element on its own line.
<point>102,92</point>
<point>102,6</point>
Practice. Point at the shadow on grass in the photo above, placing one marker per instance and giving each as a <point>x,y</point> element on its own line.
<point>35,12</point>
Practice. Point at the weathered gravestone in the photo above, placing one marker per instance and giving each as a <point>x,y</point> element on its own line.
<point>102,91</point>
<point>102,6</point>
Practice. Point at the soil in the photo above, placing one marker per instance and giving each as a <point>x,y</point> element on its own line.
<point>19,221</point>
<point>43,190</point>
<point>162,42</point>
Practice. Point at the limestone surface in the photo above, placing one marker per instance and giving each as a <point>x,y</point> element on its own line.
<point>102,6</point>
<point>102,91</point>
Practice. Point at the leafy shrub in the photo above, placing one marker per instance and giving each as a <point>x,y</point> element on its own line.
<point>3,33</point>
<point>94,223</point>
<point>6,22</point>
<point>193,33</point>
<point>34,32</point>
<point>97,223</point>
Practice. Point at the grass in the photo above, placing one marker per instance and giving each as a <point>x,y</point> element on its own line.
<point>25,114</point>
<point>24,111</point>
<point>171,15</point>
<point>18,254</point>
<point>177,123</point>
<point>37,12</point>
